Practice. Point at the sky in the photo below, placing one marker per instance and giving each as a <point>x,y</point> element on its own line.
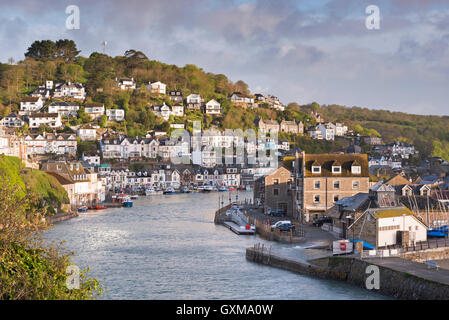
<point>299,51</point>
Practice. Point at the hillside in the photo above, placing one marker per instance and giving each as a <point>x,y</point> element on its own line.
<point>60,61</point>
<point>33,182</point>
<point>430,134</point>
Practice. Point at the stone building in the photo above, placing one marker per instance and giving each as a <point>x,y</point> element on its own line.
<point>291,127</point>
<point>276,191</point>
<point>324,179</point>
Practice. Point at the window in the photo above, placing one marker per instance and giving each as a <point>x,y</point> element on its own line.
<point>336,169</point>
<point>336,198</point>
<point>356,169</point>
<point>276,181</point>
<point>316,169</point>
<point>355,185</point>
<point>316,199</point>
<point>317,184</point>
<point>336,185</point>
<point>275,192</point>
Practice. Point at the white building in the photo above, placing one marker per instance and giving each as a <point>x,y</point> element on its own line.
<point>212,107</point>
<point>65,109</point>
<point>87,133</point>
<point>12,121</point>
<point>126,83</point>
<point>94,110</point>
<point>29,105</point>
<point>115,114</point>
<point>69,90</point>
<point>47,143</point>
<point>157,87</point>
<point>52,120</point>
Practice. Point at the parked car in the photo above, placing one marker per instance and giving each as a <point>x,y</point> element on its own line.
<point>285,227</point>
<point>276,213</point>
<point>321,221</point>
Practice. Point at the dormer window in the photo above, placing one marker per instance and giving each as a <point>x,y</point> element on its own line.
<point>336,169</point>
<point>356,169</point>
<point>316,169</point>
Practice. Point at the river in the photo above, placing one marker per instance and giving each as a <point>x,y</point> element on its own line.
<point>168,247</point>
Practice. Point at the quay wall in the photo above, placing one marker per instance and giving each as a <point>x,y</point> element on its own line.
<point>393,283</point>
<point>60,217</point>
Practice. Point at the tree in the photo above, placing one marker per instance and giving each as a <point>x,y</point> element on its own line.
<point>66,50</point>
<point>103,121</point>
<point>42,50</point>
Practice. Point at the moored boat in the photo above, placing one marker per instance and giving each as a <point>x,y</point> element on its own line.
<point>82,209</point>
<point>127,203</point>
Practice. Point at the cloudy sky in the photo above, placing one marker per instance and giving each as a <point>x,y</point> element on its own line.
<point>303,50</point>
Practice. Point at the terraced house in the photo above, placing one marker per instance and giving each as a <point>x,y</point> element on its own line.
<point>323,179</point>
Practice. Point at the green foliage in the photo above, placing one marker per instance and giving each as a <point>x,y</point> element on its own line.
<point>30,269</point>
<point>49,191</point>
<point>441,149</point>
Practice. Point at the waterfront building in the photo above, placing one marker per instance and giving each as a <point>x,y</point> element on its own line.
<point>82,185</point>
<point>323,179</point>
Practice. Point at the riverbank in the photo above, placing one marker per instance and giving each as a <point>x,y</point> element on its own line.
<point>398,278</point>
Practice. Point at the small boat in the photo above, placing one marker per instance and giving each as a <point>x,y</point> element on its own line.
<point>127,203</point>
<point>206,189</point>
<point>82,209</point>
<point>222,189</point>
<point>170,190</point>
<point>134,197</point>
<point>100,207</point>
<point>232,189</point>
<point>242,188</point>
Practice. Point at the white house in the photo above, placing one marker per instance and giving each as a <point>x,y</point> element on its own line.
<point>157,87</point>
<point>162,110</point>
<point>94,110</point>
<point>50,143</point>
<point>194,101</point>
<point>212,107</point>
<point>126,83</point>
<point>52,120</point>
<point>65,109</point>
<point>327,131</point>
<point>238,97</point>
<point>69,90</point>
<point>178,110</point>
<point>91,159</point>
<point>12,121</point>
<point>29,105</point>
<point>87,133</point>
<point>115,114</point>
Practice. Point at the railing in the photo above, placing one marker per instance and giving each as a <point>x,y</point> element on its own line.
<point>380,253</point>
<point>396,250</point>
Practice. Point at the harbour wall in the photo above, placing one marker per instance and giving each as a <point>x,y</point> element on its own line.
<point>394,283</point>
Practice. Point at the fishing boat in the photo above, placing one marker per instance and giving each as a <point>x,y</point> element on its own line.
<point>83,209</point>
